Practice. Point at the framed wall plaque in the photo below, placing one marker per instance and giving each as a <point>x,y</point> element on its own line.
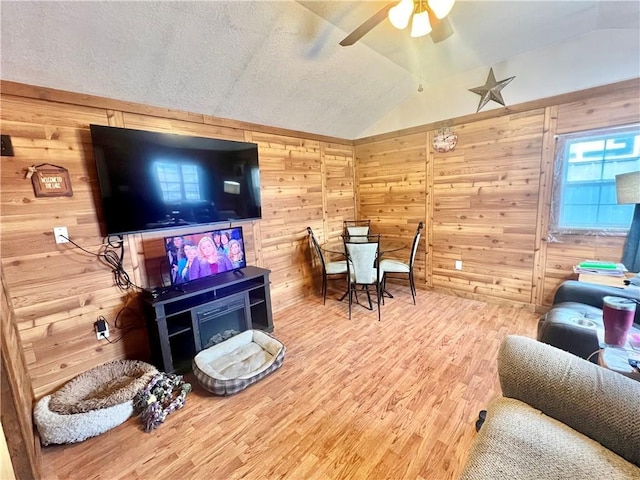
<point>50,181</point>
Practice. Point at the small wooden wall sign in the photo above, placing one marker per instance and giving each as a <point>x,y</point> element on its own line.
<point>50,181</point>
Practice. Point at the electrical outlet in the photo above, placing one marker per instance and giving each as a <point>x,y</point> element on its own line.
<point>458,264</point>
<point>102,329</point>
<point>61,234</point>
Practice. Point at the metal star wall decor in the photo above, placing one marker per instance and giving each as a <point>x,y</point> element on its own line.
<point>491,90</point>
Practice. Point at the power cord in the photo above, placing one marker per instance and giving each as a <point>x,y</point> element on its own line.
<point>119,325</point>
<point>113,260</point>
<point>594,353</point>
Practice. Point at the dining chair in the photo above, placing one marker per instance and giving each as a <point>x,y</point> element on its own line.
<point>330,270</point>
<point>396,267</point>
<point>363,268</point>
<point>356,227</point>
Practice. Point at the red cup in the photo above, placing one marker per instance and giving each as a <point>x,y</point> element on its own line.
<point>617,316</point>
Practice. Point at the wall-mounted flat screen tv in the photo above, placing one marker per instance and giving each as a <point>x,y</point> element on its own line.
<point>153,181</point>
<point>203,254</point>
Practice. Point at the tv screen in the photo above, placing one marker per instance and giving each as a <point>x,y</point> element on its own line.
<point>152,181</point>
<point>200,255</point>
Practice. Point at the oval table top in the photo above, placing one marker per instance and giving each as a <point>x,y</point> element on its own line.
<point>387,245</point>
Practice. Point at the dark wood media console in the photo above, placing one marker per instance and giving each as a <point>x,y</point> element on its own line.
<point>180,323</point>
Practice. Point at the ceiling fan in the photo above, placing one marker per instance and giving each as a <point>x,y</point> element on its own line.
<point>427,17</point>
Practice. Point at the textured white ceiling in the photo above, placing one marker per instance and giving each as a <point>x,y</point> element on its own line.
<point>278,63</point>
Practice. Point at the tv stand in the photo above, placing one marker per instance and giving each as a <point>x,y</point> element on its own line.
<point>180,323</point>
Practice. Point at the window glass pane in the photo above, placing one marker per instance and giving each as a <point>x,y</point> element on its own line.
<point>585,198</point>
<point>579,216</point>
<point>584,171</point>
<point>191,191</point>
<point>622,215</point>
<point>190,178</point>
<point>611,169</point>
<point>177,182</point>
<point>581,194</point>
<point>608,194</point>
<point>614,215</point>
<point>171,191</point>
<point>191,183</point>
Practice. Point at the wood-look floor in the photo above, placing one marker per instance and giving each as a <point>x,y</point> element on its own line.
<point>395,399</point>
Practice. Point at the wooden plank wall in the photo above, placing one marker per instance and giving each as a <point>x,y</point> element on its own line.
<point>485,204</point>
<point>56,292</point>
<point>488,201</point>
<point>391,186</point>
<point>338,188</point>
<point>485,201</point>
<point>618,106</point>
<point>15,400</point>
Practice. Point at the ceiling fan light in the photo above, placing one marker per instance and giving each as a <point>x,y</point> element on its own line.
<point>441,7</point>
<point>420,25</point>
<point>400,15</point>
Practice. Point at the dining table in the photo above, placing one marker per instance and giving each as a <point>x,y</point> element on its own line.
<point>387,245</point>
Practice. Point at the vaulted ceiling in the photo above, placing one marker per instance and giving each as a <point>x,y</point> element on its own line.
<point>278,63</point>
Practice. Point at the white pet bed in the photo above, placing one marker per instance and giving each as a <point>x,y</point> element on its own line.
<point>64,428</point>
<point>231,366</point>
<point>91,403</point>
<point>103,386</point>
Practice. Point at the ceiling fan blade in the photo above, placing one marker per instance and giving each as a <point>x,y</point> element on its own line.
<point>441,29</point>
<point>367,26</point>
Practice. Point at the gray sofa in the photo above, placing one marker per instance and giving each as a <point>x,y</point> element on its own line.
<point>560,417</point>
<point>571,322</point>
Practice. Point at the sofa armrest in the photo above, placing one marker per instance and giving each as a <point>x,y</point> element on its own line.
<point>599,403</point>
<point>592,294</point>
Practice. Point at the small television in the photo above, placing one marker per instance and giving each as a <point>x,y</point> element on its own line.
<point>154,181</point>
<point>204,254</point>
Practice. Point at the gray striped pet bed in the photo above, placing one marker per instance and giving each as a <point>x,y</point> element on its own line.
<point>231,366</point>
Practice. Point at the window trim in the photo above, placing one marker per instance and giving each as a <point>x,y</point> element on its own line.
<point>555,233</point>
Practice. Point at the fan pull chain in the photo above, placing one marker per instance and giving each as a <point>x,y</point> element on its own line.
<point>420,64</point>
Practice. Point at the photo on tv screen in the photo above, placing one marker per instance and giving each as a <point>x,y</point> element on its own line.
<point>203,254</point>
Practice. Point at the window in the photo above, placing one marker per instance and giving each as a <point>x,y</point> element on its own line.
<point>178,181</point>
<point>584,196</point>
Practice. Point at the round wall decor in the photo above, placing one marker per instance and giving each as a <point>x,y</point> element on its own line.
<point>445,140</point>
